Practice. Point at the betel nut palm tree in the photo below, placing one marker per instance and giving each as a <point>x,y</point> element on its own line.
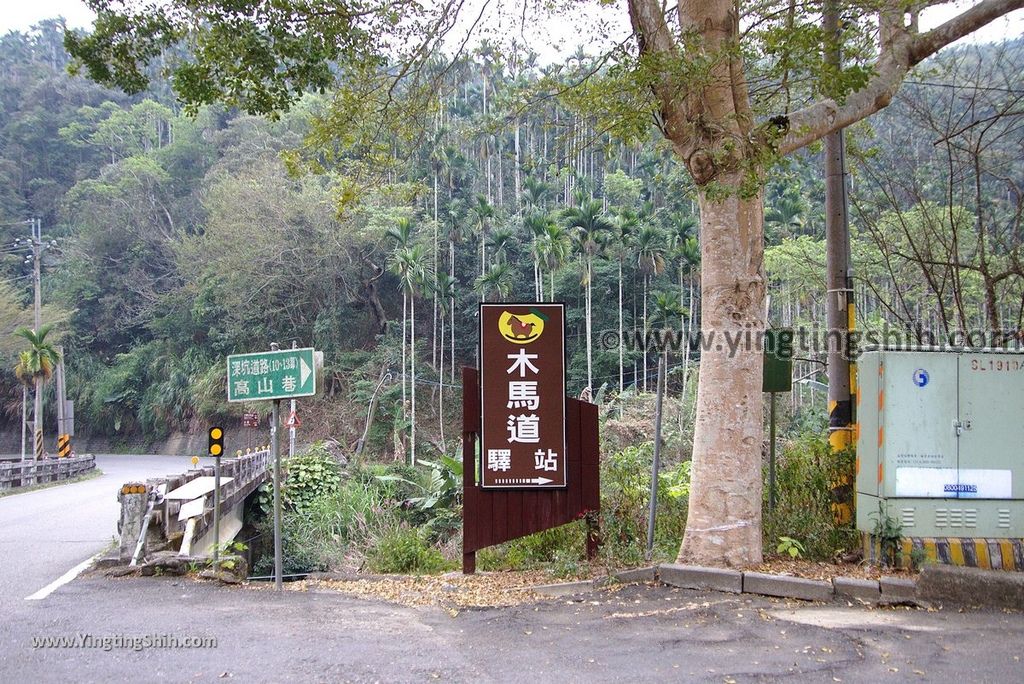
<point>37,362</point>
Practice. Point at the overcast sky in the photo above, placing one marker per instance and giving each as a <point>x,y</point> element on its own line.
<point>19,15</point>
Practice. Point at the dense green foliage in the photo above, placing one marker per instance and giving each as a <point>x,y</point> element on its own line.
<point>185,238</point>
<point>807,470</point>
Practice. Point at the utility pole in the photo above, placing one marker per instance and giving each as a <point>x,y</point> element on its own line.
<point>38,247</point>
<point>24,418</point>
<point>59,378</point>
<point>839,281</point>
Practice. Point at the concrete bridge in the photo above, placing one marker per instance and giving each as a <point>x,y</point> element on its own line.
<point>176,512</point>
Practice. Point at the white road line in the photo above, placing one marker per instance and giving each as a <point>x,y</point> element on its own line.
<point>62,580</point>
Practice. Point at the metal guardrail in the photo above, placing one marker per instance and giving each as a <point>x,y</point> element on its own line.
<point>248,471</point>
<point>17,474</point>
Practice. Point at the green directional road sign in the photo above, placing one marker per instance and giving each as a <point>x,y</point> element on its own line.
<point>284,374</point>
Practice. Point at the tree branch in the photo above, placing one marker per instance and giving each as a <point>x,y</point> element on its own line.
<point>927,44</point>
<point>901,51</point>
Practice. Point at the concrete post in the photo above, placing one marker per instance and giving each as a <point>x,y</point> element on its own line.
<point>133,512</point>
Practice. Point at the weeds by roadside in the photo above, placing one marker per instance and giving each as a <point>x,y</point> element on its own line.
<point>394,518</point>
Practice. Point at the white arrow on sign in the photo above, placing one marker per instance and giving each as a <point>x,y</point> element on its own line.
<point>304,371</point>
<point>523,480</point>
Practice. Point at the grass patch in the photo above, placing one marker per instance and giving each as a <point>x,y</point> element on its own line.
<point>805,474</point>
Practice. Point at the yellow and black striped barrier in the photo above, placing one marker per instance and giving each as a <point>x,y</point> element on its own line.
<point>39,445</point>
<point>842,435</point>
<point>971,552</point>
<point>64,446</point>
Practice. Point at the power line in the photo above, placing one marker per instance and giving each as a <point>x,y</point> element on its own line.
<point>997,89</point>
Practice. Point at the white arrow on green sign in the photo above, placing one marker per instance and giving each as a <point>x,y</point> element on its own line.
<point>283,374</point>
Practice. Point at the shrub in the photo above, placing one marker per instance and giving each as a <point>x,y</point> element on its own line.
<point>804,478</point>
<point>625,501</point>
<point>436,500</point>
<point>328,526</point>
<point>404,550</point>
<point>557,545</point>
<point>307,477</point>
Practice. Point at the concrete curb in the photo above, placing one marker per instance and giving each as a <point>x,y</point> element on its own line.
<point>697,577</point>
<point>786,586</point>
<point>851,588</point>
<point>633,576</point>
<point>888,591</point>
<point>648,574</point>
<point>897,590</point>
<point>566,588</point>
<point>971,586</point>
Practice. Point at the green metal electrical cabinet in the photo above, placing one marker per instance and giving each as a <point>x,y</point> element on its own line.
<point>940,442</point>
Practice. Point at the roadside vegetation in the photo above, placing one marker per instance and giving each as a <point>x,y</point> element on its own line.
<point>186,236</point>
<point>349,515</point>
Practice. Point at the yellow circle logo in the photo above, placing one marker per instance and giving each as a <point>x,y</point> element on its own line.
<point>521,328</point>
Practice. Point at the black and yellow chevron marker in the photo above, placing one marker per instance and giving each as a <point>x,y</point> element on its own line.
<point>39,444</point>
<point>64,446</point>
<point>842,433</point>
<point>842,436</point>
<point>971,552</point>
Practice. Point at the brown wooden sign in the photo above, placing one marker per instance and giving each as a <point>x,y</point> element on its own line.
<point>250,420</point>
<point>522,396</point>
<point>492,516</point>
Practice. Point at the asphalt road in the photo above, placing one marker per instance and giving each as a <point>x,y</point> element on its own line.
<point>45,533</point>
<point>638,634</point>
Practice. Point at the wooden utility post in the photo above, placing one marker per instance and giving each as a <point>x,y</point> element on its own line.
<point>37,255</point>
<point>839,281</point>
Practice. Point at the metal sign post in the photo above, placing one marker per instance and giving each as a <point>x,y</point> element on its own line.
<point>291,425</point>
<point>274,375</point>
<point>656,460</point>
<point>522,396</point>
<point>216,511</point>
<point>275,454</point>
<point>777,377</point>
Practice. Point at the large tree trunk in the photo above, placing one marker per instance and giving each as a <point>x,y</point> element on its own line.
<point>724,520</point>
<point>712,130</point>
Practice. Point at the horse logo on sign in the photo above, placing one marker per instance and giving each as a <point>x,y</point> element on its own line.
<point>521,328</point>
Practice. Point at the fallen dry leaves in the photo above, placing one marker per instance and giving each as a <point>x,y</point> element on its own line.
<point>818,570</point>
<point>451,591</point>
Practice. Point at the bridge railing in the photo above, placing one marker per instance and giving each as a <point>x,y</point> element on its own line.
<point>16,474</point>
<point>247,471</point>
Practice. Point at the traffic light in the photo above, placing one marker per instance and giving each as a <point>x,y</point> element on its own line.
<point>216,441</point>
